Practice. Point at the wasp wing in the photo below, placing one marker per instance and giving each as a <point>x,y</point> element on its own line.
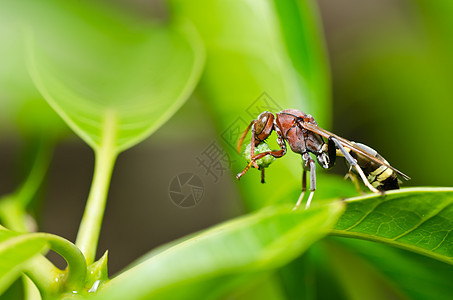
<point>349,144</point>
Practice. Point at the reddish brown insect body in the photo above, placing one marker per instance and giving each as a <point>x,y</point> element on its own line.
<point>304,136</point>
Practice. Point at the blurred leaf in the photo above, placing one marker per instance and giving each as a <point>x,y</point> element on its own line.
<point>17,208</point>
<point>254,64</point>
<point>249,55</point>
<point>265,287</point>
<point>20,101</point>
<point>390,69</point>
<point>359,279</point>
<point>303,37</point>
<point>14,292</point>
<point>298,278</point>
<point>436,17</point>
<point>14,80</point>
<point>35,118</point>
<point>328,188</point>
<point>417,219</point>
<point>328,271</point>
<point>15,251</point>
<point>418,276</point>
<point>110,76</point>
<point>255,243</point>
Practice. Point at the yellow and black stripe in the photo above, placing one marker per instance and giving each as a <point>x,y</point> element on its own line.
<point>380,176</point>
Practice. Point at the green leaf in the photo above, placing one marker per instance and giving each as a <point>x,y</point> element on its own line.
<point>21,105</point>
<point>255,63</point>
<point>108,75</point>
<point>371,284</point>
<point>303,37</point>
<point>15,291</point>
<point>248,245</point>
<point>248,55</point>
<point>298,278</point>
<point>416,219</point>
<point>114,79</point>
<point>418,276</point>
<point>265,287</point>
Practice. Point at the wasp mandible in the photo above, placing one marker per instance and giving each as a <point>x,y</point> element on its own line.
<point>304,136</point>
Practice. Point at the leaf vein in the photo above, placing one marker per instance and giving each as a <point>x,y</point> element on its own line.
<point>442,241</point>
<point>422,221</point>
<point>364,216</point>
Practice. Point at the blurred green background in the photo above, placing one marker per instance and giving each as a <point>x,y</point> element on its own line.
<point>390,67</point>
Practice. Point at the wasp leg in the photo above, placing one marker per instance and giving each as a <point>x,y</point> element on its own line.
<point>353,163</point>
<point>312,183</point>
<point>239,175</point>
<point>308,161</point>
<point>252,147</point>
<point>276,154</point>
<point>365,180</point>
<point>262,175</point>
<point>354,180</point>
<point>241,140</point>
<point>304,188</point>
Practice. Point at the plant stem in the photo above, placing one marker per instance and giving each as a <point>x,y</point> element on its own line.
<point>77,268</point>
<point>50,279</point>
<point>31,292</point>
<point>12,214</point>
<point>13,207</point>
<point>43,274</point>
<point>37,172</point>
<point>105,156</point>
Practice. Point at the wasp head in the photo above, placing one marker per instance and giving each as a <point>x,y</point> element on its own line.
<point>263,126</point>
<point>326,157</point>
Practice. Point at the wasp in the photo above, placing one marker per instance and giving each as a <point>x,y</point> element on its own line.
<point>304,136</point>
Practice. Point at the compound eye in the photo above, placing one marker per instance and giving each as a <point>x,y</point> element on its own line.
<point>261,123</point>
<point>259,126</point>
